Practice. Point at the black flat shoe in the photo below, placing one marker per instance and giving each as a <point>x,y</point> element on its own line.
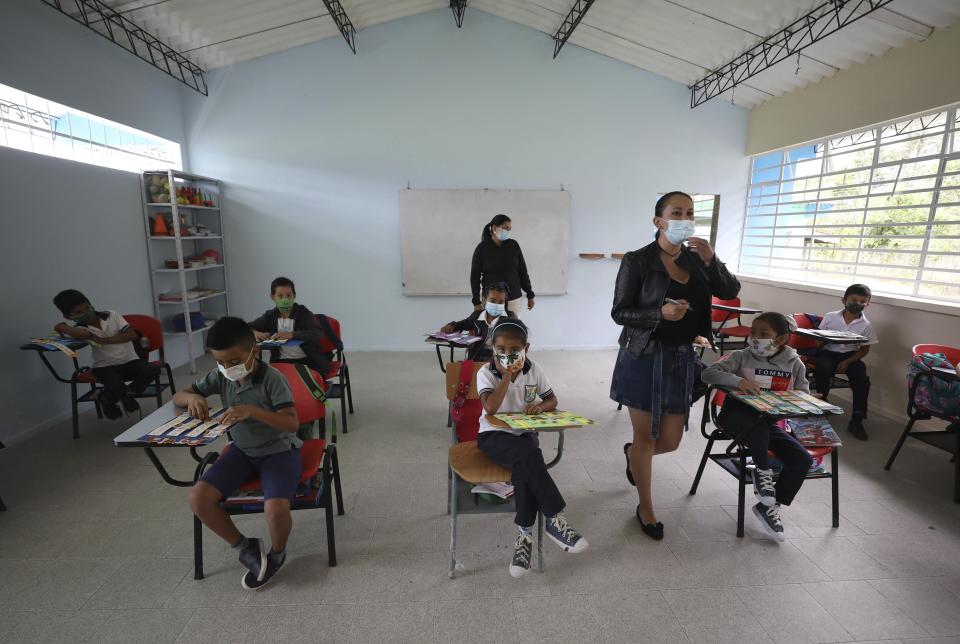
<point>629,473</point>
<point>652,530</point>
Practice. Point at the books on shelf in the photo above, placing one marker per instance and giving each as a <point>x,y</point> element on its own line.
<point>813,432</point>
<point>786,403</point>
<point>194,293</point>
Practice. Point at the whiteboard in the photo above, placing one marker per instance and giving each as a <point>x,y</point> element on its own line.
<point>439,230</point>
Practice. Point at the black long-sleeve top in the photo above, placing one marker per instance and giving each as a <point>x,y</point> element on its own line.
<point>504,263</point>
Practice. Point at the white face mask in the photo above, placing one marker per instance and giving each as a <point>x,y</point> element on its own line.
<point>503,234</point>
<point>679,230</point>
<point>237,371</point>
<point>494,310</point>
<point>762,347</point>
<point>511,359</point>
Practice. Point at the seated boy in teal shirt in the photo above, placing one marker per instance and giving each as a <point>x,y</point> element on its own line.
<point>264,445</point>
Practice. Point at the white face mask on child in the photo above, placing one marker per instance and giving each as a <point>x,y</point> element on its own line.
<point>237,371</point>
<point>763,347</point>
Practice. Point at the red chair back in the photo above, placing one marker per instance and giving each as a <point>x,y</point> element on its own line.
<point>148,327</point>
<point>328,345</point>
<point>799,342</point>
<point>309,409</point>
<point>724,316</point>
<point>952,353</point>
<point>719,396</point>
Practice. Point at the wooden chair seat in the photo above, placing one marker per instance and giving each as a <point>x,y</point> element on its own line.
<point>473,466</point>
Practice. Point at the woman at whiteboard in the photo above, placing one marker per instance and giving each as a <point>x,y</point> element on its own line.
<point>662,300</point>
<point>498,258</point>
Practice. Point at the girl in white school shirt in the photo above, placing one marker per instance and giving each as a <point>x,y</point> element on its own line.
<point>511,382</point>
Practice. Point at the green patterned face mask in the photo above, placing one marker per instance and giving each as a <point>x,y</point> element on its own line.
<point>283,303</point>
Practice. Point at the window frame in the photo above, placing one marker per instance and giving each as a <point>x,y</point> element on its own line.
<point>773,209</point>
<point>49,127</point>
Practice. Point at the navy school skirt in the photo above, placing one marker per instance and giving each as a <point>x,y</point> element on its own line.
<point>660,381</point>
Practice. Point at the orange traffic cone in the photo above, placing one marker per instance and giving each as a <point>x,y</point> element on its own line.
<point>160,226</point>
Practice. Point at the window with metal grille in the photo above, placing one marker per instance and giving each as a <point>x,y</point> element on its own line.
<point>34,124</point>
<point>705,213</point>
<point>880,206</point>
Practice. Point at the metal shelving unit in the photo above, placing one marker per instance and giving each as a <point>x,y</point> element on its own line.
<point>181,278</point>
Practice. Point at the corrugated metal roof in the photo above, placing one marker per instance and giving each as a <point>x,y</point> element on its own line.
<point>678,39</point>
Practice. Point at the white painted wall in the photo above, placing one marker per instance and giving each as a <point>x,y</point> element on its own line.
<point>314,144</point>
<point>67,224</point>
<point>900,324</point>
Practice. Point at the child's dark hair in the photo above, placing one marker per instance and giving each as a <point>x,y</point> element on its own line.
<point>499,220</point>
<point>858,289</point>
<point>510,326</point>
<point>282,281</point>
<point>228,332</point>
<point>497,286</point>
<point>780,323</point>
<point>69,299</point>
<point>662,201</point>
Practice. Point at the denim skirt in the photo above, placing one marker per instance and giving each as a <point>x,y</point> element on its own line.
<point>660,381</point>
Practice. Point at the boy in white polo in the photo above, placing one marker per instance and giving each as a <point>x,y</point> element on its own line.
<point>848,358</point>
<point>115,361</point>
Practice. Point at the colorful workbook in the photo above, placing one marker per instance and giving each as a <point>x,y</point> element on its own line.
<point>464,339</point>
<point>277,342</point>
<point>813,432</point>
<point>786,403</point>
<point>828,334</point>
<point>57,343</point>
<point>546,420</point>
<point>187,430</point>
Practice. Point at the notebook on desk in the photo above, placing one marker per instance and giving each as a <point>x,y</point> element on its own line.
<point>187,430</point>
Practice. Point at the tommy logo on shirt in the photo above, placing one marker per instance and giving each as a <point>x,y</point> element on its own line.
<point>529,393</point>
<point>772,379</point>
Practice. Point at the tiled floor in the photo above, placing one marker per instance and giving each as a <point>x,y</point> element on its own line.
<point>95,548</point>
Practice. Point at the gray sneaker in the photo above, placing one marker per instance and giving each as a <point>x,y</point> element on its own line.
<point>565,536</point>
<point>763,486</point>
<point>255,559</point>
<point>770,520</point>
<point>521,556</point>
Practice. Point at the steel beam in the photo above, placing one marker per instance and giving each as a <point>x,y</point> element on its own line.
<point>822,21</point>
<point>458,7</point>
<point>343,22</point>
<point>120,30</point>
<point>577,12</point>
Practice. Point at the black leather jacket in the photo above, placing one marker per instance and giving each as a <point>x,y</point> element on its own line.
<point>642,284</point>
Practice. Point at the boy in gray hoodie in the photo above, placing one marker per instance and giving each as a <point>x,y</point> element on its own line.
<point>766,364</point>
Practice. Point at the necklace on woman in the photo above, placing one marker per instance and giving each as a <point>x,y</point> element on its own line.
<point>672,256</point>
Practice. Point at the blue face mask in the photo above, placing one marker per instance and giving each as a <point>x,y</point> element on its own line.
<point>679,230</point>
<point>494,310</point>
<point>503,234</point>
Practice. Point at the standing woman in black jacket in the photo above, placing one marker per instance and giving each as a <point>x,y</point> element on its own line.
<point>498,258</point>
<point>663,301</point>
